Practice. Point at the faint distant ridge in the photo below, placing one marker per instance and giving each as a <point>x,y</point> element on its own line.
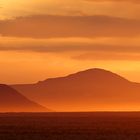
<point>13,101</point>
<point>95,75</point>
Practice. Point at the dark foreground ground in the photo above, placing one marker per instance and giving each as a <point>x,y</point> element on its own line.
<point>70,126</point>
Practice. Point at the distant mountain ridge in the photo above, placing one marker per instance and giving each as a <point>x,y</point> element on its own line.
<point>92,90</point>
<point>13,101</point>
<point>97,75</point>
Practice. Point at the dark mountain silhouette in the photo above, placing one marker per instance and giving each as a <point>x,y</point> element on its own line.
<point>92,90</point>
<point>12,101</point>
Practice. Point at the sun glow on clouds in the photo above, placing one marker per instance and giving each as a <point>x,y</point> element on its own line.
<point>114,46</point>
<point>15,8</point>
<point>32,57</point>
<point>63,45</point>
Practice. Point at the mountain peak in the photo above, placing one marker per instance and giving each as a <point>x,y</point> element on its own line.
<point>98,75</point>
<point>94,70</point>
<point>94,75</point>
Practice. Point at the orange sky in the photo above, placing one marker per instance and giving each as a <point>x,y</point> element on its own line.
<point>49,38</point>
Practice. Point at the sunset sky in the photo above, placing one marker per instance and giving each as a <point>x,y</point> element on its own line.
<point>49,38</point>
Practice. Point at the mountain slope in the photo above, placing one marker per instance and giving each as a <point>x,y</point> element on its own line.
<point>12,101</point>
<point>90,90</point>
